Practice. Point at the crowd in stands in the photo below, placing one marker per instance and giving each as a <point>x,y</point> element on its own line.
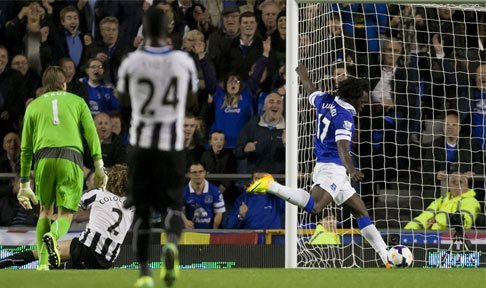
<point>422,64</point>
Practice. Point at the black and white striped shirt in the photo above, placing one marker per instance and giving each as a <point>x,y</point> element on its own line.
<point>108,223</point>
<point>158,81</point>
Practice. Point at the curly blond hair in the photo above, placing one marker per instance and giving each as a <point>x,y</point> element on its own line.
<point>117,179</point>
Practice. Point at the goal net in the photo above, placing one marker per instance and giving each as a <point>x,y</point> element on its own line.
<point>425,121</point>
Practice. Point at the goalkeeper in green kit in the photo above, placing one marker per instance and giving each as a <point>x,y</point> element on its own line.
<point>54,126</point>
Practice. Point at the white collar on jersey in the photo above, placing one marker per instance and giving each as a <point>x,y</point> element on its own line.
<point>205,189</point>
<point>345,105</point>
<point>152,49</point>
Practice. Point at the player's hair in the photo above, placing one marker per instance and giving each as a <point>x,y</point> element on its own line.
<point>155,24</point>
<point>352,88</point>
<point>67,9</point>
<point>117,179</point>
<point>53,79</point>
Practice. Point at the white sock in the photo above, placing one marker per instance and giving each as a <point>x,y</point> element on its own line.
<point>295,196</point>
<point>371,234</point>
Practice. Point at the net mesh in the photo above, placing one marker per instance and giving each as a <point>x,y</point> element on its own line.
<point>422,62</point>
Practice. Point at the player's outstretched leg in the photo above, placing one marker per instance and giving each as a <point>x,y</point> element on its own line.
<point>298,197</point>
<point>170,271</point>
<point>52,250</point>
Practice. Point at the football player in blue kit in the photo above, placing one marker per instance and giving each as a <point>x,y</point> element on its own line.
<point>334,169</point>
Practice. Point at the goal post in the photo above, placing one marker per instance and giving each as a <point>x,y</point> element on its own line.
<point>291,152</point>
<point>401,183</point>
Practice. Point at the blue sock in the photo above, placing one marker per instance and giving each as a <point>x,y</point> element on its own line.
<point>364,222</point>
<point>310,205</point>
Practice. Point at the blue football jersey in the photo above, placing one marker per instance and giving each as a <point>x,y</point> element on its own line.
<point>200,208</point>
<point>334,122</point>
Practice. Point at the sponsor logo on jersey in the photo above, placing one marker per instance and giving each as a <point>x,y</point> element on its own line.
<point>232,110</point>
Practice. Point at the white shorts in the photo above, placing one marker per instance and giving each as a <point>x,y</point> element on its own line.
<point>333,178</point>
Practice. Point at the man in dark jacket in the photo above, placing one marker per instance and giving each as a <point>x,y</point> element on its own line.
<point>262,140</point>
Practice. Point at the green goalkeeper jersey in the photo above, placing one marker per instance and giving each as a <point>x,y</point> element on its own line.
<point>57,119</point>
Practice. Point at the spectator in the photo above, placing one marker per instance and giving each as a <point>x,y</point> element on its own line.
<point>109,51</point>
<point>202,20</point>
<point>175,35</point>
<point>129,13</point>
<point>69,40</point>
<point>10,160</point>
<point>363,24</point>
<point>192,140</point>
<point>268,25</point>
<point>203,203</point>
<point>183,15</point>
<point>112,148</point>
<point>453,151</point>
<point>27,34</point>
<point>278,39</point>
<point>262,140</point>
<point>478,115</point>
<point>90,12</point>
<point>232,105</point>
<point>394,98</point>
<point>12,213</point>
<point>118,127</point>
<point>73,84</point>
<point>219,41</point>
<point>256,210</point>
<point>12,96</point>
<point>459,200</point>
<point>218,159</point>
<point>244,50</point>
<point>101,95</point>
<point>31,80</point>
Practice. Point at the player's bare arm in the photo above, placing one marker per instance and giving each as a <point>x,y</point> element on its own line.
<point>343,148</point>
<point>304,77</point>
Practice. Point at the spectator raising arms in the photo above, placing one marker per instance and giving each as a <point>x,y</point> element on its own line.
<point>233,103</point>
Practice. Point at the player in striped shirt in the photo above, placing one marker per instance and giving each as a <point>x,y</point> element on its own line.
<point>334,168</point>
<point>99,244</point>
<point>158,81</point>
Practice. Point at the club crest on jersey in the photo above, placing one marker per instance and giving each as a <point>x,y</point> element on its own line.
<point>208,199</point>
<point>333,187</point>
<point>347,125</point>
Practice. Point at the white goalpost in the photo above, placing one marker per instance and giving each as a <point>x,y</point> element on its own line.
<point>434,54</point>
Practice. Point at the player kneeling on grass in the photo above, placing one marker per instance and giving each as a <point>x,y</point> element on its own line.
<point>108,225</point>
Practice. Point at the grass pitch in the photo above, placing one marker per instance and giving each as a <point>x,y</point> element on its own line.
<point>254,278</point>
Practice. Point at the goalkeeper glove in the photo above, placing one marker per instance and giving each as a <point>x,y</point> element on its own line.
<point>100,177</point>
<point>26,195</point>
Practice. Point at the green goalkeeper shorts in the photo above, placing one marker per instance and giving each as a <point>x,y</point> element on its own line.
<point>59,180</point>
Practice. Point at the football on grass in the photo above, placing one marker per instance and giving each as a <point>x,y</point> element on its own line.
<point>400,256</point>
